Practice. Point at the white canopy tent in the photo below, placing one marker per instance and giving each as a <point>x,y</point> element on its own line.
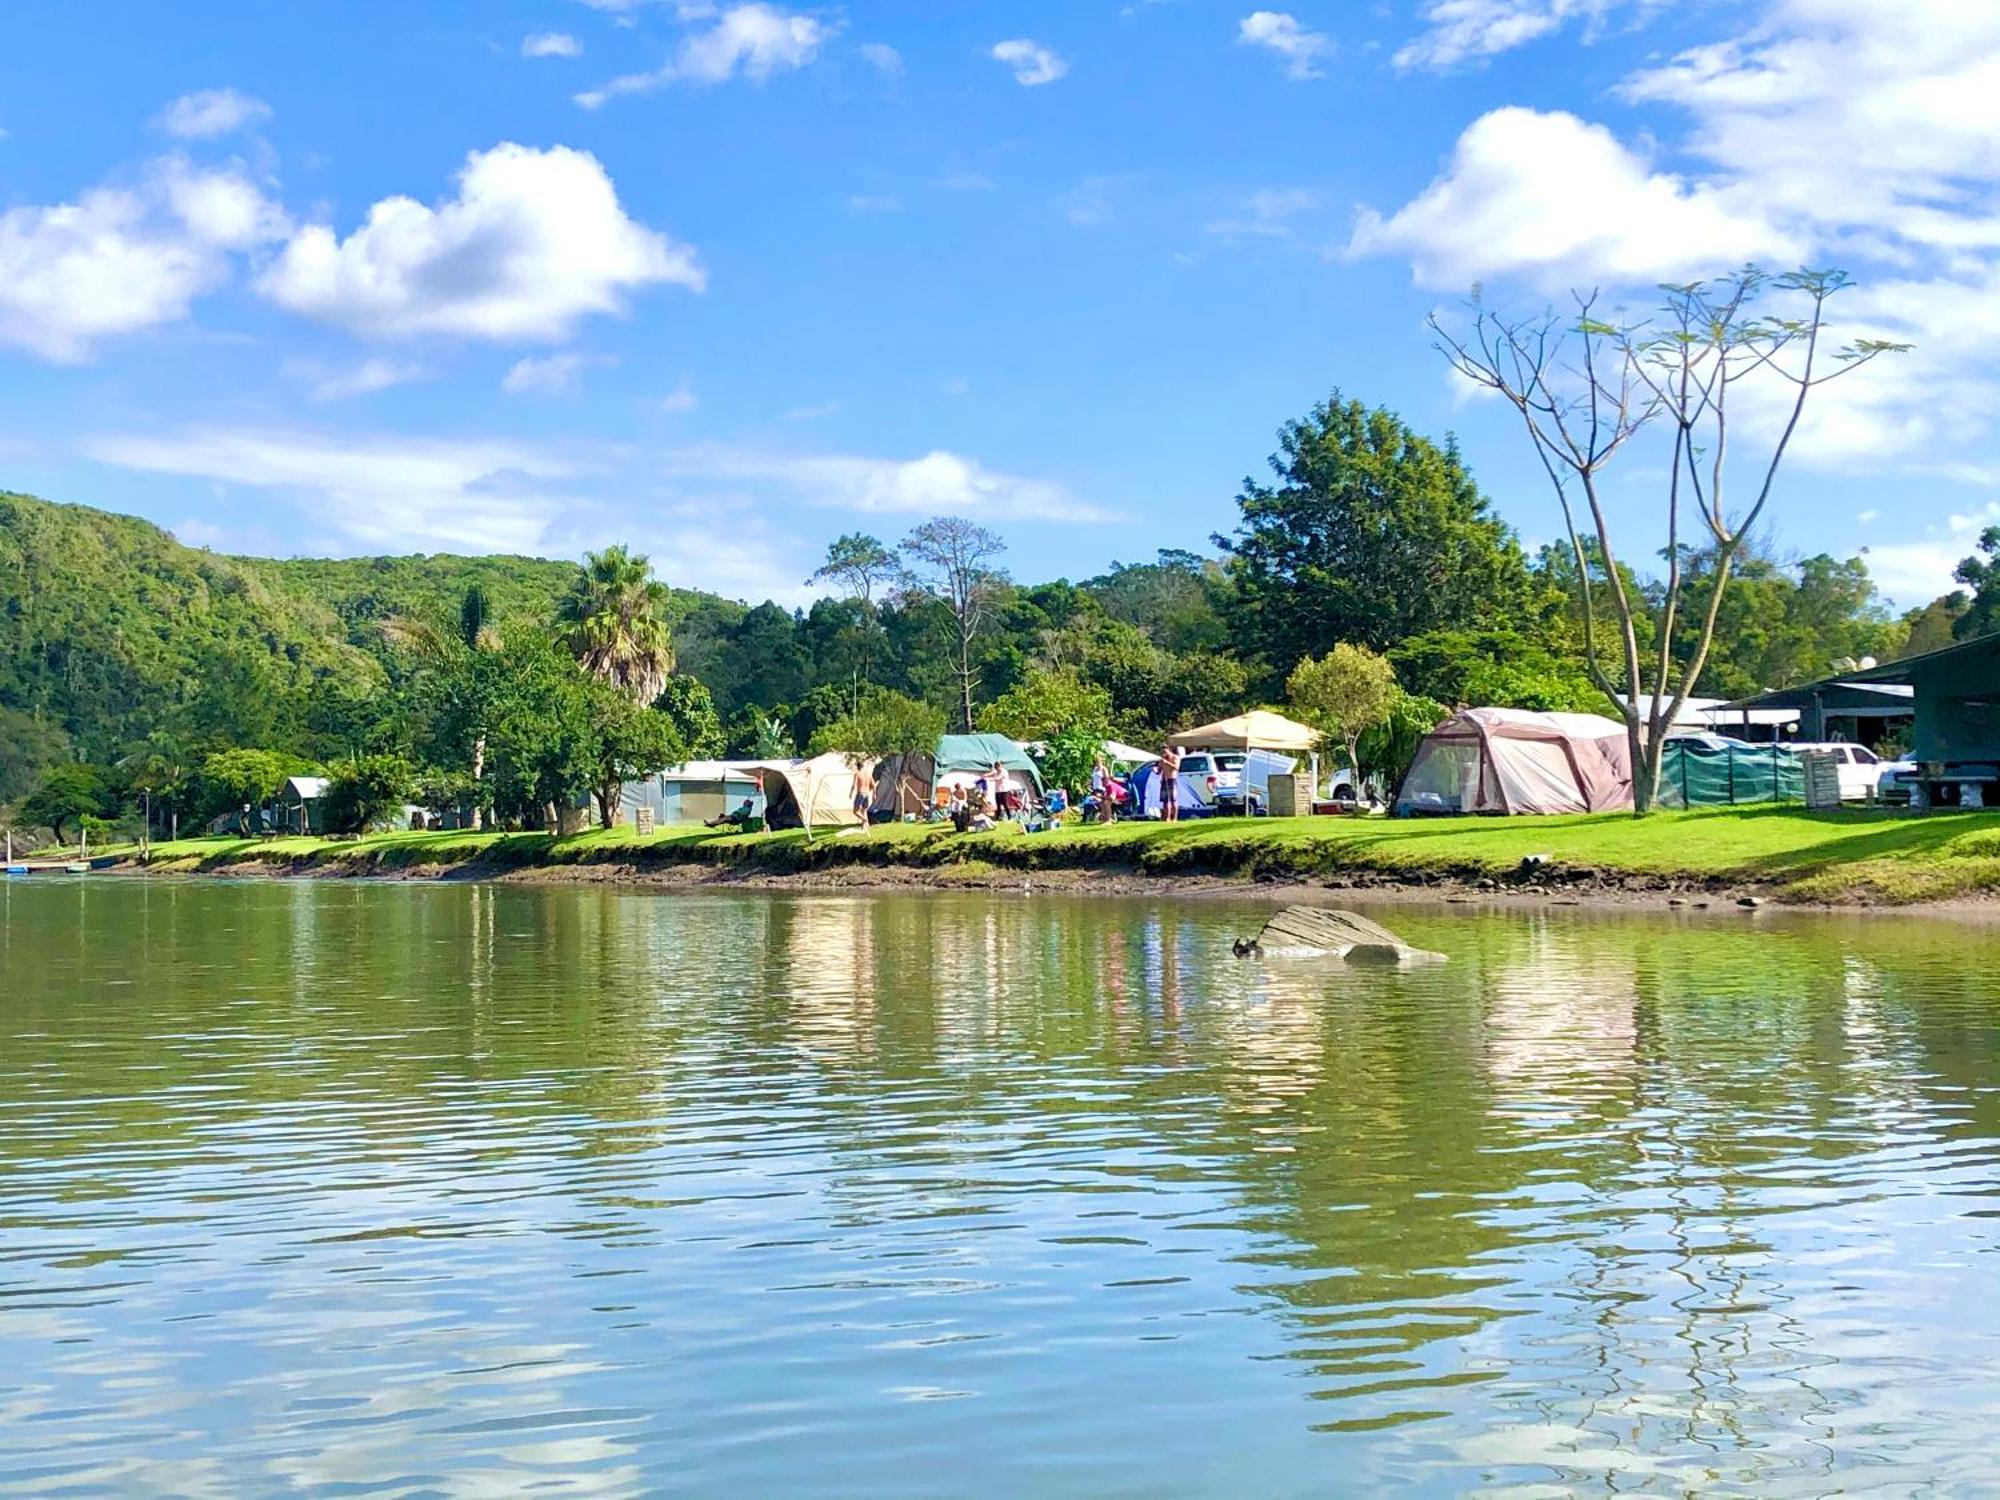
<point>1260,729</point>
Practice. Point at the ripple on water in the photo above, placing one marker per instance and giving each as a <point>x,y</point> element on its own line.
<point>457,1189</point>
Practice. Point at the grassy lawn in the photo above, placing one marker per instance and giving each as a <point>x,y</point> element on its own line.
<point>1885,856</point>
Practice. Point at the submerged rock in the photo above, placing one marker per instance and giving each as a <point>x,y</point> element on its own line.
<point>1313,930</point>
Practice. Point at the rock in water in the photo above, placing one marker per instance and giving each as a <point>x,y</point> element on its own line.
<point>1309,930</point>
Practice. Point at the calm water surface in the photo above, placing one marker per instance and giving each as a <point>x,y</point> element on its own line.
<point>348,1188</point>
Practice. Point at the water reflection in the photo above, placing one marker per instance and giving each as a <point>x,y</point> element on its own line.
<point>464,1188</point>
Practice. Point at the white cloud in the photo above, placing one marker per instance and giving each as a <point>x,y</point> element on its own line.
<point>883,58</point>
<point>1554,199</point>
<point>1269,214</point>
<point>1275,31</point>
<point>532,241</point>
<point>1464,31</point>
<point>1032,63</point>
<point>551,44</point>
<point>680,400</point>
<point>812,413</point>
<point>935,484</point>
<point>1866,516</point>
<point>327,492</point>
<point>122,259</point>
<point>554,375</point>
<point>212,112</point>
<point>364,379</point>
<point>874,203</point>
<point>1839,132</point>
<point>389,493</point>
<point>750,41</point>
<point>1088,205</point>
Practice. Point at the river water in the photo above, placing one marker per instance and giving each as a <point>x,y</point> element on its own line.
<point>336,1187</point>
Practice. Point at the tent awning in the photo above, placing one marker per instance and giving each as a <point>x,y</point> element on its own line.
<point>1260,729</point>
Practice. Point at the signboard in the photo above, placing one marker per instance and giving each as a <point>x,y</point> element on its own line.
<point>1822,778</point>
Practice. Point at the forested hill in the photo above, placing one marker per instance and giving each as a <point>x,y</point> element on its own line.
<point>112,633</point>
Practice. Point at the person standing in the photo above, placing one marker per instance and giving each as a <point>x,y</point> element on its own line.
<point>1100,790</point>
<point>1170,785</point>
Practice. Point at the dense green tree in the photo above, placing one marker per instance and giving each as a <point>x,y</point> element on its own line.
<point>1371,534</point>
<point>243,782</point>
<point>628,743</point>
<point>1180,601</point>
<point>541,734</point>
<point>1044,704</point>
<point>688,706</point>
<point>1934,626</point>
<point>366,792</point>
<point>754,733</point>
<point>1494,669</point>
<point>617,620</point>
<point>885,723</point>
<point>773,666</point>
<point>67,794</point>
<point>1980,573</point>
<point>1343,694</point>
<point>1387,749</point>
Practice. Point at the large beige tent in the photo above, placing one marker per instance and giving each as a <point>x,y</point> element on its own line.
<point>814,793</point>
<point>1260,729</point>
<point>1507,760</point>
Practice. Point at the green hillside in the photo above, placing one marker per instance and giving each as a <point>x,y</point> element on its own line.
<point>112,633</point>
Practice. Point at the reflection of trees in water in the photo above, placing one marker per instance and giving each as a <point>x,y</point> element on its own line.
<point>1602,1124</point>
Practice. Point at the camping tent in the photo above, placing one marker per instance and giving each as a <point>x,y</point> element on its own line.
<point>808,793</point>
<point>908,783</point>
<point>1260,729</point>
<point>1506,760</point>
<point>1146,794</point>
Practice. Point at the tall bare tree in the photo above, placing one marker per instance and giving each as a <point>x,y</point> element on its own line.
<point>952,560</point>
<point>1585,387</point>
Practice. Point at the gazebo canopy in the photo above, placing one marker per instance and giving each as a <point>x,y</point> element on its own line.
<point>1260,729</point>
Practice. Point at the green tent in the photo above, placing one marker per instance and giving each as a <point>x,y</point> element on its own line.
<point>1708,771</point>
<point>979,752</point>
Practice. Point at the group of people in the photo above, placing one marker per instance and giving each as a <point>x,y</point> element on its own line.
<point>1110,792</point>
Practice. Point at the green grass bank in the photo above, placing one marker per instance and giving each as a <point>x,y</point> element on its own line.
<point>1857,856</point>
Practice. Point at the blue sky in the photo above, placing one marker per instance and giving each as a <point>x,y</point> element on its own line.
<point>725,280</point>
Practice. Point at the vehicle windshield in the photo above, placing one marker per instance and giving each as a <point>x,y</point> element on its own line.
<point>1229,762</point>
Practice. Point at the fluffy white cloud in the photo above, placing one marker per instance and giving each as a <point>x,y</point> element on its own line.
<point>1554,199</point>
<point>555,375</point>
<point>1032,64</point>
<point>121,259</point>
<point>752,40</point>
<point>551,44</point>
<point>532,241</point>
<point>210,113</point>
<point>1464,31</point>
<point>1275,31</point>
<point>937,483</point>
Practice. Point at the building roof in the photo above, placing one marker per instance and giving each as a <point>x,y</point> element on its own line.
<point>1834,696</point>
<point>306,788</point>
<point>1910,667</point>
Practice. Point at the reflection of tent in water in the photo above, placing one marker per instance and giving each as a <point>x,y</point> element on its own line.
<point>908,783</point>
<point>1505,760</point>
<point>817,792</point>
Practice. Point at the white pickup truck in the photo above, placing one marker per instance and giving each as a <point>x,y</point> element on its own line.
<point>1861,769</point>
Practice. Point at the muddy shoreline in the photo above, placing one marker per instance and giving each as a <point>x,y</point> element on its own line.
<point>1557,888</point>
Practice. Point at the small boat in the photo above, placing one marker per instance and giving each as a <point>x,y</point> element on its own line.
<point>17,869</point>
<point>78,867</point>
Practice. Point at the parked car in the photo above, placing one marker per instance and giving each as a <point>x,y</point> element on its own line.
<point>1862,771</point>
<point>1217,778</point>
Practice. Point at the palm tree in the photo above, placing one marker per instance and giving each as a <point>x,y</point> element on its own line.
<point>618,621</point>
<point>440,649</point>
